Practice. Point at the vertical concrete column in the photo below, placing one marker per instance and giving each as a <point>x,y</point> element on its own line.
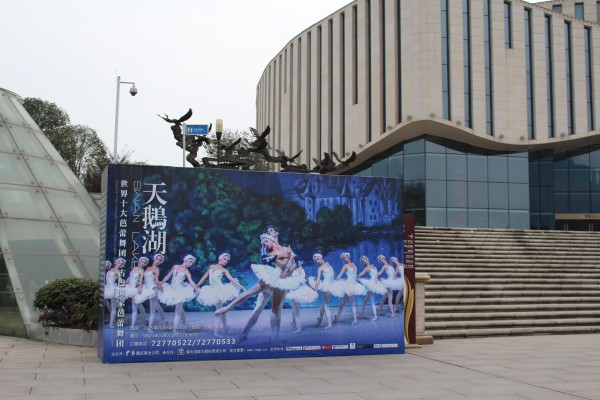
<point>420,282</point>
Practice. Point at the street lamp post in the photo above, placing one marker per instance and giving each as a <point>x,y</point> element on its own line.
<point>133,91</point>
<point>219,132</point>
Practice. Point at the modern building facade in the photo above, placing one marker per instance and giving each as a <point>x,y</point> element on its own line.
<point>49,224</point>
<point>488,109</point>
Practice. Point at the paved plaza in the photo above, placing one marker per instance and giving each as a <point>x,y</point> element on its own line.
<point>525,367</point>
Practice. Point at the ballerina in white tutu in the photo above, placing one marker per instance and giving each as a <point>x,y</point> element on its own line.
<point>327,286</point>
<point>304,294</point>
<point>149,289</point>
<point>133,287</point>
<point>107,266</point>
<point>350,287</point>
<point>400,277</point>
<point>111,289</point>
<point>216,293</point>
<point>178,292</point>
<point>373,285</point>
<point>273,278</point>
<point>390,282</point>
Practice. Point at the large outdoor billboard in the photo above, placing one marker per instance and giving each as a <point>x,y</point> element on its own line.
<point>222,264</point>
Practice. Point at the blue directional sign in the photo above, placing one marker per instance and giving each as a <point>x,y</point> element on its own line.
<point>196,129</point>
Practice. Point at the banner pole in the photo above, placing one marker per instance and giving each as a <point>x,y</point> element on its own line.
<point>184,134</point>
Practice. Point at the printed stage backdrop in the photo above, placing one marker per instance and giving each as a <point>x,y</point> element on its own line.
<point>154,310</point>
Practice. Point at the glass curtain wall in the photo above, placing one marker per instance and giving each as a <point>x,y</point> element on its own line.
<point>447,183</point>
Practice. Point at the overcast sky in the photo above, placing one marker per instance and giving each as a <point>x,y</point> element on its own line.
<point>207,55</point>
<point>203,54</point>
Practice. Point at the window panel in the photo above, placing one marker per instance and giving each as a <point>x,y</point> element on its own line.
<point>414,167</point>
<point>456,167</point>
<point>477,167</point>
<point>498,219</point>
<point>436,166</point>
<point>478,195</point>
<point>457,194</point>
<point>518,196</point>
<point>436,193</point>
<point>478,218</point>
<point>580,202</point>
<point>498,169</point>
<point>498,195</point>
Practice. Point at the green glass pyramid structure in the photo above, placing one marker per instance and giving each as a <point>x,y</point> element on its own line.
<point>49,223</point>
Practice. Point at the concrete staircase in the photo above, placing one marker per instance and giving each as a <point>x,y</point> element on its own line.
<point>489,282</point>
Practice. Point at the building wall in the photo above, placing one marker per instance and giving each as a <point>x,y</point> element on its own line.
<point>369,76</point>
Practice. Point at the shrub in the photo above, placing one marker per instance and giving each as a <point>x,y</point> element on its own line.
<point>68,303</point>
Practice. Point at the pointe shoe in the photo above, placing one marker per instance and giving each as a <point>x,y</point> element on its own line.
<point>360,316</point>
<point>297,331</point>
<point>328,326</point>
<point>242,338</point>
<point>336,319</point>
<point>374,318</point>
<point>354,322</point>
<point>319,319</point>
<point>221,311</point>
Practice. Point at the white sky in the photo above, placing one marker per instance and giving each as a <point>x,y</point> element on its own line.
<point>207,55</point>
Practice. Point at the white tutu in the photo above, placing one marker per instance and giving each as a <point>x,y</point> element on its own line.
<point>304,294</point>
<point>350,286</point>
<point>110,285</point>
<point>392,281</point>
<point>147,294</point>
<point>394,284</point>
<point>149,289</point>
<point>176,292</point>
<point>329,285</point>
<point>216,292</point>
<point>373,284</point>
<point>271,276</point>
<point>110,292</point>
<point>131,290</point>
<point>211,295</point>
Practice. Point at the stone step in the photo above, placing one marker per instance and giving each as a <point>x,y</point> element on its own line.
<point>425,264</point>
<point>472,308</point>
<point>440,280</point>
<point>552,299</point>
<point>507,293</point>
<point>512,287</point>
<point>511,253</point>
<point>489,317</point>
<point>458,333</point>
<point>525,243</point>
<point>506,323</point>
<point>520,275</point>
<point>509,282</point>
<point>486,270</point>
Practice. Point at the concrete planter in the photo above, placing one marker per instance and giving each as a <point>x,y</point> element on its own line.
<point>72,337</point>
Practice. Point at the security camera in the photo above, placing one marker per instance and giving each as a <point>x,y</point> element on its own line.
<point>133,91</point>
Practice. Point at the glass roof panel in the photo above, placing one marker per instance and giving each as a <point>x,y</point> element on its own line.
<point>68,207</point>
<point>28,142</point>
<point>6,142</point>
<point>48,174</point>
<point>13,169</point>
<point>24,202</point>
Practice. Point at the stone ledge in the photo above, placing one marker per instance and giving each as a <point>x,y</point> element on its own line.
<point>72,337</point>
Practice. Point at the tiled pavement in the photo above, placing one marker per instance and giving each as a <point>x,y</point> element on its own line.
<point>525,367</point>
